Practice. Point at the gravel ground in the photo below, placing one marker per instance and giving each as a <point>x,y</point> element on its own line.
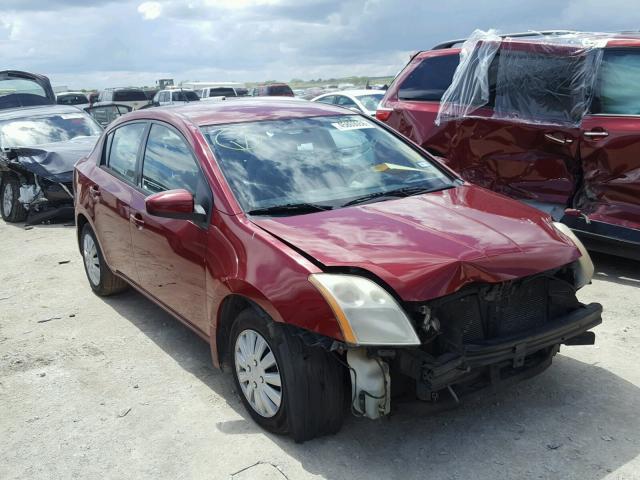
<point>97,388</point>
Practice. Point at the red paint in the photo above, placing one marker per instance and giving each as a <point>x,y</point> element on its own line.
<point>171,202</point>
<point>422,247</point>
<point>520,160</point>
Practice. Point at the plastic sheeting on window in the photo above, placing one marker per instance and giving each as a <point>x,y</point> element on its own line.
<point>538,79</point>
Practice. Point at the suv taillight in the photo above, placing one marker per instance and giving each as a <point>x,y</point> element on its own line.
<point>383,113</point>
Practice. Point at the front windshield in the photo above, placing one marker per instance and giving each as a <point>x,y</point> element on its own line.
<point>36,130</point>
<point>320,160</point>
<point>371,101</point>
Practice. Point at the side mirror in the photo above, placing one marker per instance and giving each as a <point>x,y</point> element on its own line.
<point>178,204</point>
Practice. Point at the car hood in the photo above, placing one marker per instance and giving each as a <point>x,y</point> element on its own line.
<point>430,245</point>
<point>53,161</point>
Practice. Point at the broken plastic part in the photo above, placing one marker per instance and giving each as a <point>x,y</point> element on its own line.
<point>543,80</point>
<point>370,384</point>
<point>28,193</point>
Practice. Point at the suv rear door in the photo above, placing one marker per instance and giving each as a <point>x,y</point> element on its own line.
<point>411,104</point>
<point>23,89</point>
<point>610,143</point>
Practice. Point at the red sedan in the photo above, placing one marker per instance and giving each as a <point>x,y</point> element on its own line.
<point>322,256</point>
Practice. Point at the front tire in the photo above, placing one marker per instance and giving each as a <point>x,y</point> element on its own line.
<point>285,385</point>
<point>11,209</point>
<point>101,279</point>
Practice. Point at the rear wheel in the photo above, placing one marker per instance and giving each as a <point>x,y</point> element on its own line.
<point>101,279</point>
<point>285,385</point>
<point>10,208</point>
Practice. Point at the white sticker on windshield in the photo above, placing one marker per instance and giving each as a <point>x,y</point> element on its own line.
<point>422,163</point>
<point>69,116</point>
<point>352,125</point>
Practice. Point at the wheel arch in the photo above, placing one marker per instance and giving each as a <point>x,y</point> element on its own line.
<point>228,311</point>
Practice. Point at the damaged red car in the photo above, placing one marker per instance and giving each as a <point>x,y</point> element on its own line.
<point>549,118</point>
<point>326,259</point>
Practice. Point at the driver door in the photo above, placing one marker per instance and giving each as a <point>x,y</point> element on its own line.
<point>170,253</point>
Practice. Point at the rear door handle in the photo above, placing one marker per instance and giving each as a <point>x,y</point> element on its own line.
<point>137,220</point>
<point>559,140</point>
<point>596,134</point>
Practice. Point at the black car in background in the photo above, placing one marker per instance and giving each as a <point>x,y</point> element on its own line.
<point>40,142</point>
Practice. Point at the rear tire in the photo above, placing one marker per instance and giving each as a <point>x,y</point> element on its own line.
<point>11,209</point>
<point>313,382</point>
<point>101,279</point>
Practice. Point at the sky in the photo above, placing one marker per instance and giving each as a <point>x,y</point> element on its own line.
<point>103,43</point>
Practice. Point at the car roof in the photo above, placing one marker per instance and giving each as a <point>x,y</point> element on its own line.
<point>238,110</point>
<point>616,39</point>
<point>354,92</point>
<point>21,112</point>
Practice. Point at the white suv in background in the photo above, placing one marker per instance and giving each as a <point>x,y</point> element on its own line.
<point>174,96</point>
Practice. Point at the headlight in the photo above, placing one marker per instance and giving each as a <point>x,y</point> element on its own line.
<point>367,314</point>
<point>583,266</point>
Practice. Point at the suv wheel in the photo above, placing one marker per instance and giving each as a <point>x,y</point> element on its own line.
<point>285,385</point>
<point>10,208</point>
<point>102,280</point>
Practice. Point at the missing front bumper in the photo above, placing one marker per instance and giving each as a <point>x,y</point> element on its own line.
<point>495,361</point>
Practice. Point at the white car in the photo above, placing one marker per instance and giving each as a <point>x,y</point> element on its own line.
<point>174,96</point>
<point>365,101</point>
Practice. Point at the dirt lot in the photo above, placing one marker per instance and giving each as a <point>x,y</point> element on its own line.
<point>93,388</point>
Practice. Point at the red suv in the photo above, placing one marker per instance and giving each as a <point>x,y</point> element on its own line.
<point>585,162</point>
<point>323,256</point>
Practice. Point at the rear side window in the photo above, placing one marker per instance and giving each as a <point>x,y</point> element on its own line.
<point>429,80</point>
<point>168,163</point>
<point>222,92</point>
<point>619,84</point>
<point>124,148</point>
<point>129,96</point>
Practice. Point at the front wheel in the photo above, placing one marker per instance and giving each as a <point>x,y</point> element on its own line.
<point>11,209</point>
<point>101,279</point>
<point>285,385</point>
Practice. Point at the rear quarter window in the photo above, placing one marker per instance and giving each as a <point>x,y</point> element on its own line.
<point>429,79</point>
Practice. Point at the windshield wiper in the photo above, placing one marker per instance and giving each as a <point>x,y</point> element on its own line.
<point>290,208</point>
<point>399,192</point>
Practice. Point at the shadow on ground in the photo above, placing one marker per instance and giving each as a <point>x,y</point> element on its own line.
<point>576,420</point>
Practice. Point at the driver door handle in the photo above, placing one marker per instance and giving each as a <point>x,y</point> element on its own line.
<point>559,140</point>
<point>595,134</point>
<point>137,220</point>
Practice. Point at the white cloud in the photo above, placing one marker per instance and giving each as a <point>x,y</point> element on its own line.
<point>150,10</point>
<point>103,43</point>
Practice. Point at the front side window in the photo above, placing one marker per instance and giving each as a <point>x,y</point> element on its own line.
<point>39,129</point>
<point>124,149</point>
<point>429,80</point>
<point>330,161</point>
<point>619,85</point>
<point>168,163</point>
